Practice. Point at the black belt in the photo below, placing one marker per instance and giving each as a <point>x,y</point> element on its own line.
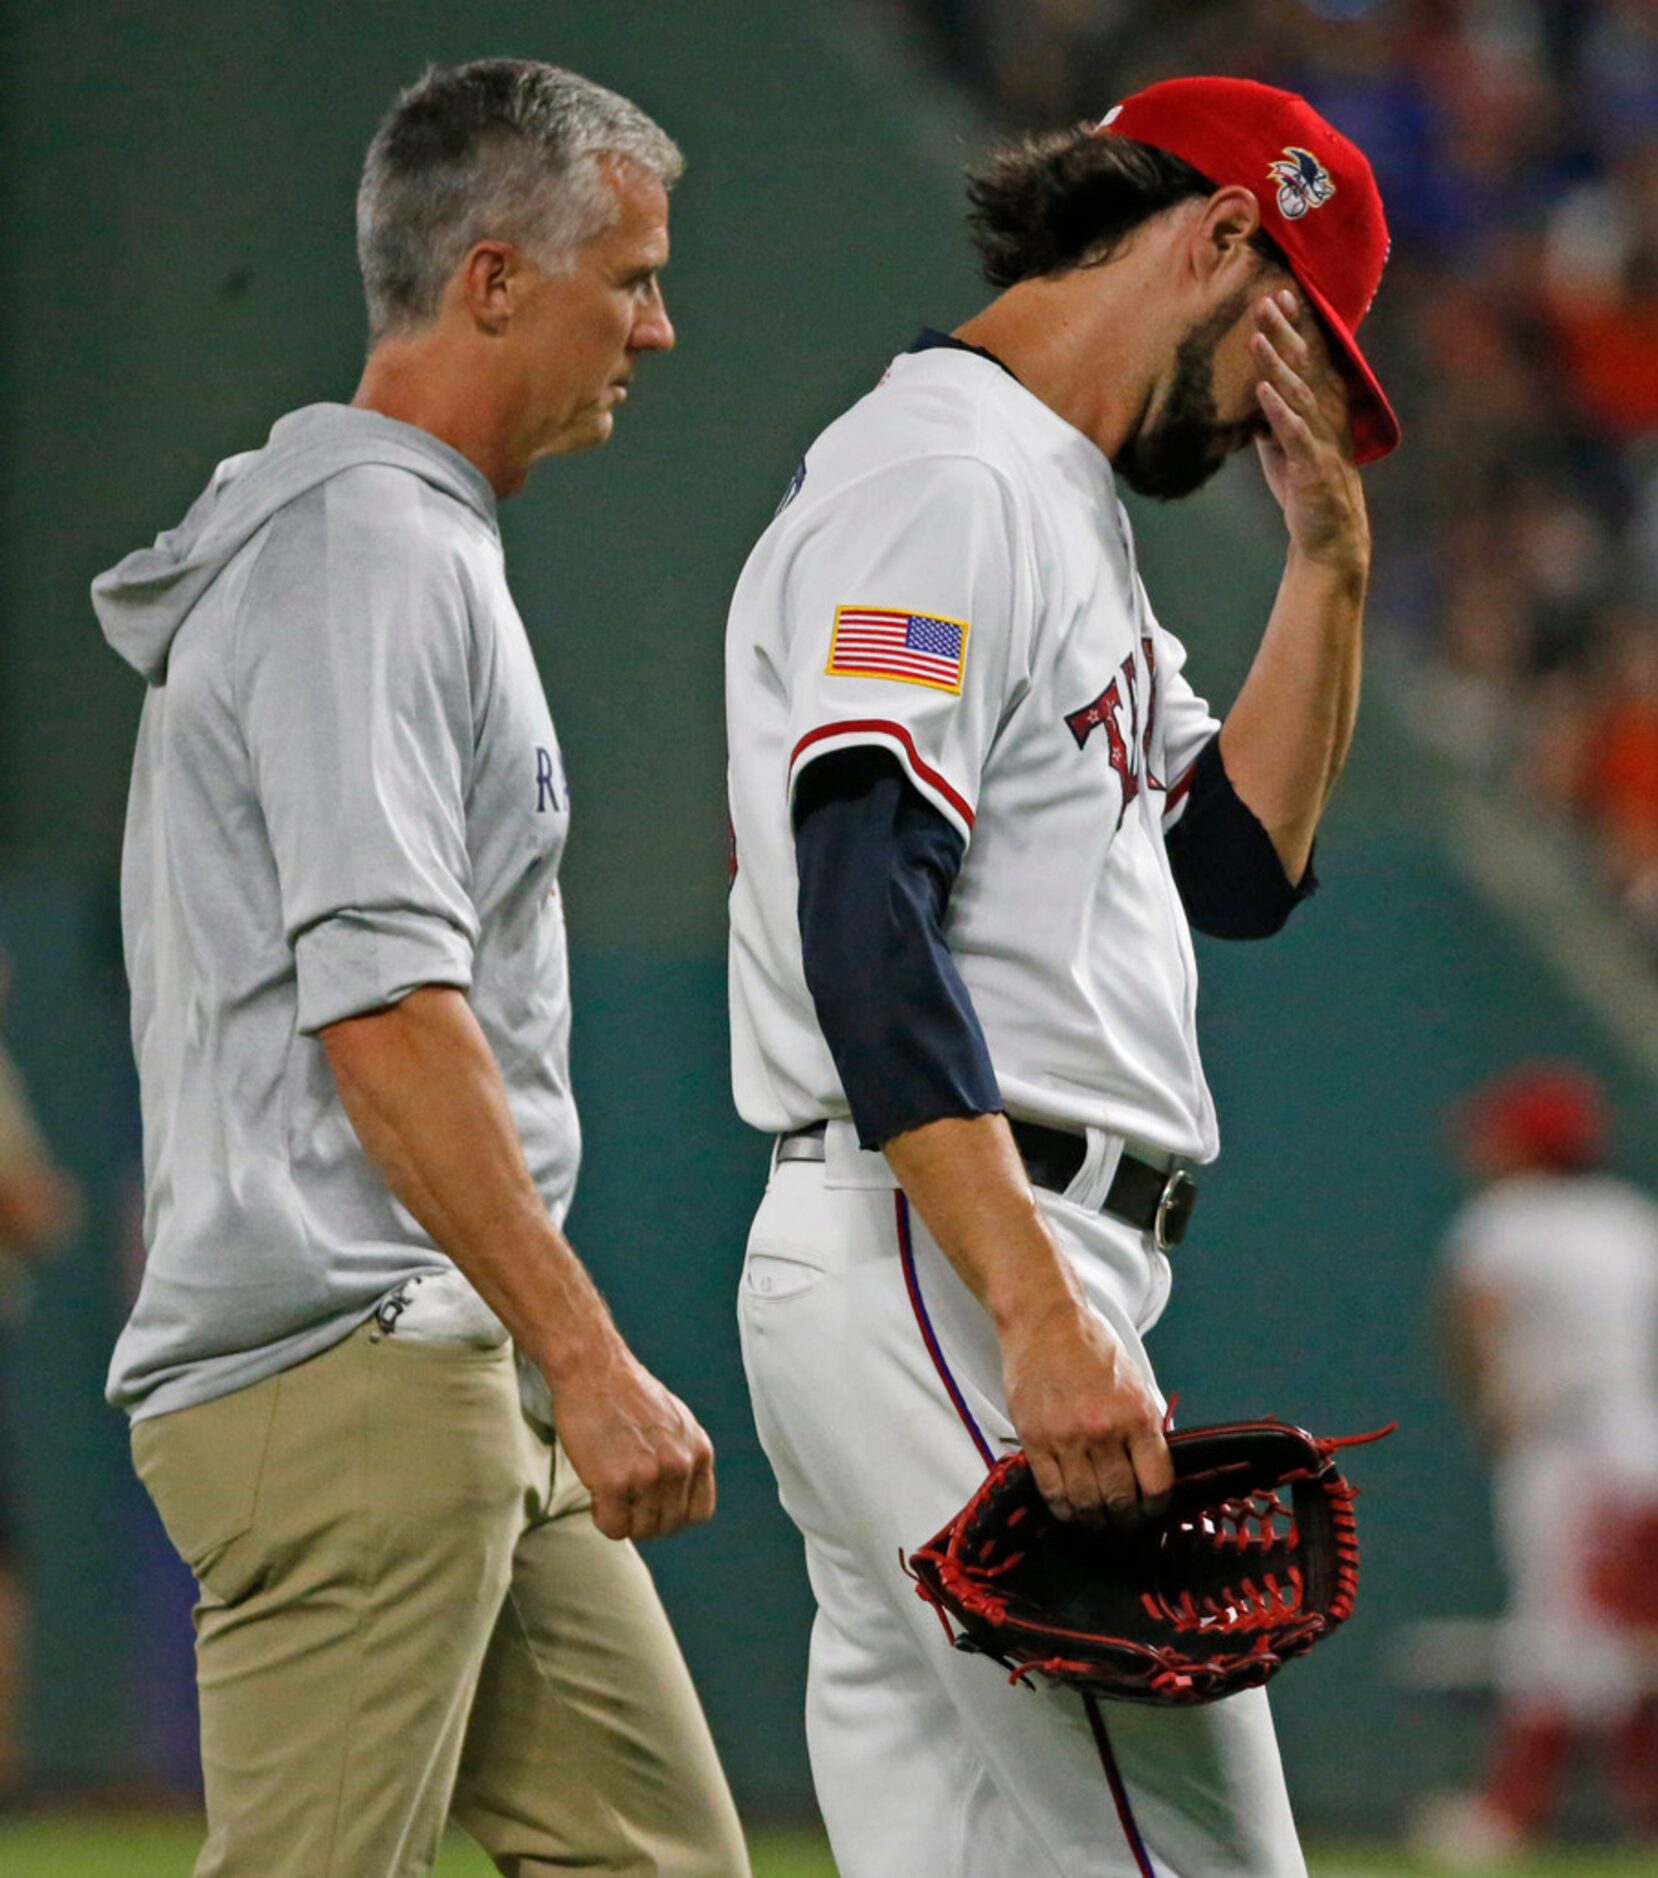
<point>1158,1200</point>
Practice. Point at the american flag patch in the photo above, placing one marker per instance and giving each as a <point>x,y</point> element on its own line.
<point>881,642</point>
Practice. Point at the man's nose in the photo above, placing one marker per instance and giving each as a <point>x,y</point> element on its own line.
<point>653,331</point>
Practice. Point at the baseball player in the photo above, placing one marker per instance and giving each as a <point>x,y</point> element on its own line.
<point>1551,1304</point>
<point>351,1016</point>
<point>977,805</point>
<point>39,1208</point>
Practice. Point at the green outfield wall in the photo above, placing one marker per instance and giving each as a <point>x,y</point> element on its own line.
<point>178,272</point>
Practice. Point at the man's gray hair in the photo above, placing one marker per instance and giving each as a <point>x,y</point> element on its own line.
<point>503,148</point>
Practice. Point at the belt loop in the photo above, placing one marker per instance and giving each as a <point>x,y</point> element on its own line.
<point>1099,1168</point>
<point>848,1165</point>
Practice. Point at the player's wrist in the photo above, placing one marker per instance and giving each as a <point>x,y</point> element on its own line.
<point>1038,1300</point>
<point>1341,562</point>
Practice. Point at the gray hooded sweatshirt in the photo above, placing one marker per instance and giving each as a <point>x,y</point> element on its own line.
<point>346,786</point>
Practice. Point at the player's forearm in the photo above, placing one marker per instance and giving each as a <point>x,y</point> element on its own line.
<point>1470,1324</point>
<point>1286,737</point>
<point>425,1097</point>
<point>38,1210</point>
<point>966,1180</point>
<point>1089,1421</point>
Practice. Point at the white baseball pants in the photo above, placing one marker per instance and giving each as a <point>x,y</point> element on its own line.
<point>1556,1649</point>
<point>877,1392</point>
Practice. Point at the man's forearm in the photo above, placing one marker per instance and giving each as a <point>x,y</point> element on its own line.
<point>425,1096</point>
<point>1470,1323</point>
<point>968,1183</point>
<point>1089,1422</point>
<point>38,1209</point>
<point>1286,737</point>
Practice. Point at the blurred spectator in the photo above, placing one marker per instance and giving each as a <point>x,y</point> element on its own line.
<point>1620,781</point>
<point>1516,142</point>
<point>1551,1310</point>
<point>39,1207</point>
<point>1601,286</point>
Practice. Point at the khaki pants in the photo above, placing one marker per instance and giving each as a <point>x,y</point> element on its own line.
<point>406,1613</point>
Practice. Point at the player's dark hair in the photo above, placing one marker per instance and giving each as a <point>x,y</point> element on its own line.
<point>1048,203</point>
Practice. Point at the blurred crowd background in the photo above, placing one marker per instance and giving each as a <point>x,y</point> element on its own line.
<point>1516,142</point>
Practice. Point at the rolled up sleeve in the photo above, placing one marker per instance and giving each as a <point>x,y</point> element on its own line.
<point>363,960</point>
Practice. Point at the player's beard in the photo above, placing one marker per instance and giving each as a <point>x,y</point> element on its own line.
<point>1177,455</point>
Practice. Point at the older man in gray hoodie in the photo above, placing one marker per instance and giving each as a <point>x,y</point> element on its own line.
<point>351,1017</point>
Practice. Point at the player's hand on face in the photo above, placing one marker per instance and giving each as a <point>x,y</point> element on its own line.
<point>635,1446</point>
<point>1308,452</point>
<point>1088,1420</point>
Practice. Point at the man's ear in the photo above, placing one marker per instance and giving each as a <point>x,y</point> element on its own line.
<point>1226,229</point>
<point>486,283</point>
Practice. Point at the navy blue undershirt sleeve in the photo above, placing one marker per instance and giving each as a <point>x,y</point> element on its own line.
<point>1231,881</point>
<point>877,862</point>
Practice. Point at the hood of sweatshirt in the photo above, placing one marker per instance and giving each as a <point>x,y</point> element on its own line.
<point>143,600</point>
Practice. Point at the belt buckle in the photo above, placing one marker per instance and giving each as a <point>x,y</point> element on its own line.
<point>1174,1209</point>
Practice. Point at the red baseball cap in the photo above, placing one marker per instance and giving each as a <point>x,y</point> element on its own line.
<point>1318,197</point>
<point>1549,1114</point>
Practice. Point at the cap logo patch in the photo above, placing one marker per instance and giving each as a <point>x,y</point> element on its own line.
<point>1303,182</point>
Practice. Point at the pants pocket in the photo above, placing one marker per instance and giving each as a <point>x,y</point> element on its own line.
<point>202,1467</point>
<point>778,1275</point>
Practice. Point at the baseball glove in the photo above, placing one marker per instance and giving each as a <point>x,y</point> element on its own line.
<point>1256,1561</point>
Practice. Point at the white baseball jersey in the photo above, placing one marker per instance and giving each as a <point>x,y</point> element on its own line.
<point>1573,1263</point>
<point>953,580</point>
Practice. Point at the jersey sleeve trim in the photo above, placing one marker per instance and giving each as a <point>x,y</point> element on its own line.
<point>851,732</point>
